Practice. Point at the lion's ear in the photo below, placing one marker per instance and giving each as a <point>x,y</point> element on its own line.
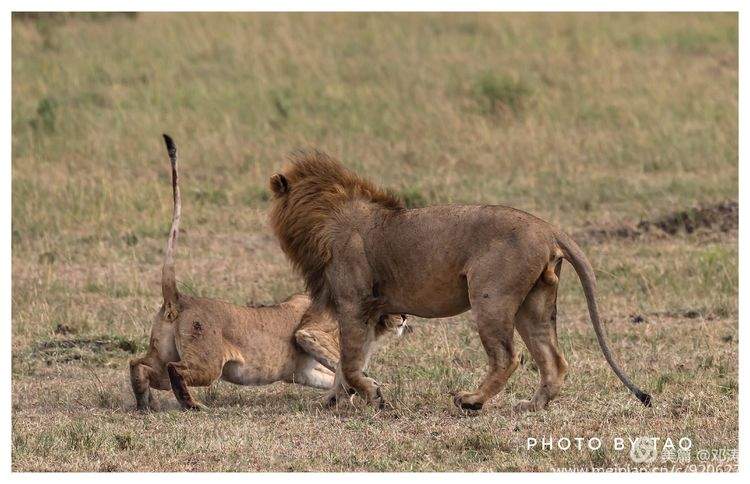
<point>279,184</point>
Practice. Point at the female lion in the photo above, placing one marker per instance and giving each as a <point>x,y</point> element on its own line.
<point>195,340</point>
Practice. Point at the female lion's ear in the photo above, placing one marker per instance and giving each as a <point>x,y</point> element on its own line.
<point>279,184</point>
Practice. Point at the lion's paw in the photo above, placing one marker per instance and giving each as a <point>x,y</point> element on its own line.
<point>335,395</point>
<point>330,401</point>
<point>467,401</point>
<point>195,407</point>
<point>524,406</point>
<point>377,399</point>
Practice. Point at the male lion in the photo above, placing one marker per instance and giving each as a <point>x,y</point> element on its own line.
<point>363,254</point>
<point>195,341</point>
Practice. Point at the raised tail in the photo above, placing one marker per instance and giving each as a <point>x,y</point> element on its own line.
<point>168,281</point>
<point>573,254</point>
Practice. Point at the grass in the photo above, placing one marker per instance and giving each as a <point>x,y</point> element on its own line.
<point>502,94</point>
<point>585,120</point>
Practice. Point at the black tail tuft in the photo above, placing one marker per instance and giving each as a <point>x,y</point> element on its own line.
<point>171,148</point>
<point>645,398</point>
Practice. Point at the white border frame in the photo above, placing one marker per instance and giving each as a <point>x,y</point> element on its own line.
<point>381,5</point>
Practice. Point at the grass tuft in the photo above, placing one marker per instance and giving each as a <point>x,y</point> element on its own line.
<point>46,116</point>
<point>501,94</point>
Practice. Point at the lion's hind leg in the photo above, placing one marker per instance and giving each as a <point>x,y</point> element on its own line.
<point>312,374</point>
<point>140,381</point>
<point>320,345</point>
<point>495,329</point>
<point>183,374</point>
<point>147,373</point>
<point>536,323</point>
<point>180,376</point>
<point>494,305</point>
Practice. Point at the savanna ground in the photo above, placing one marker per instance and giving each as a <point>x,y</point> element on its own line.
<point>594,122</point>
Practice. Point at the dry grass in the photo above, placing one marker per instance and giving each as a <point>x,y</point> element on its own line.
<point>585,120</point>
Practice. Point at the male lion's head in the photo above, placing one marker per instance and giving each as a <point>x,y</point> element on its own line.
<point>305,196</point>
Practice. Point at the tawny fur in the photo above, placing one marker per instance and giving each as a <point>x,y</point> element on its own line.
<point>302,221</point>
<point>196,341</point>
<point>359,248</point>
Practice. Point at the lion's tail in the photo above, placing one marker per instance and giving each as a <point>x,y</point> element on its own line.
<point>573,254</point>
<point>168,281</point>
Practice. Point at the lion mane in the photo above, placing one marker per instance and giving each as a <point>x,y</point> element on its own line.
<point>301,215</point>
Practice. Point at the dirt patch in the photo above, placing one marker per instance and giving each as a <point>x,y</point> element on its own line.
<point>722,217</point>
<point>84,349</point>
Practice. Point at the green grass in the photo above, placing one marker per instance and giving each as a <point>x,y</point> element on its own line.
<point>501,94</point>
<point>585,120</point>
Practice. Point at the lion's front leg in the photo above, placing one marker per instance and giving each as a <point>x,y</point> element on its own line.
<point>355,339</point>
<point>352,288</point>
<point>340,390</point>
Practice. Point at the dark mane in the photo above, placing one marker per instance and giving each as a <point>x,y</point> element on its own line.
<point>318,187</point>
